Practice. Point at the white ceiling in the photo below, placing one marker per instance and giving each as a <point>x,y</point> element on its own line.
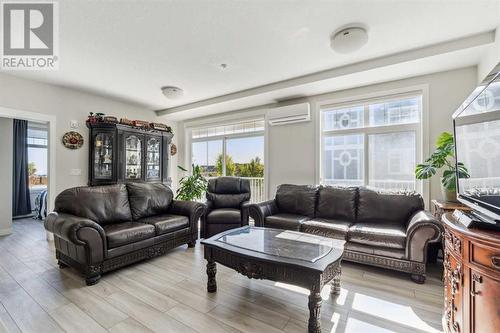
<point>129,49</point>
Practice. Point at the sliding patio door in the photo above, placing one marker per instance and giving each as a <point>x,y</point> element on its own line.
<point>232,150</point>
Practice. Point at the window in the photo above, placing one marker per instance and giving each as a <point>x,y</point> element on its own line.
<point>238,128</point>
<point>37,152</point>
<point>373,143</point>
<point>232,150</point>
<point>37,159</point>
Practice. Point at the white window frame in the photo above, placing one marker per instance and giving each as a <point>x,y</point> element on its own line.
<point>420,129</point>
<point>228,119</point>
<point>224,139</point>
<point>33,125</point>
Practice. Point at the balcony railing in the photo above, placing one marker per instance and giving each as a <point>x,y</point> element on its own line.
<point>385,184</point>
<point>257,189</point>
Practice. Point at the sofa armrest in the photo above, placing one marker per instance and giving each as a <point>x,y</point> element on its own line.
<point>422,228</point>
<point>244,209</point>
<point>192,209</point>
<point>81,232</point>
<point>260,211</point>
<point>208,208</point>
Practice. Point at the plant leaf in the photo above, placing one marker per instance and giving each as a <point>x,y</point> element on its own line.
<point>449,179</point>
<point>424,171</point>
<point>444,139</point>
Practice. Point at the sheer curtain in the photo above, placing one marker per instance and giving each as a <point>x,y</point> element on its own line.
<point>21,203</point>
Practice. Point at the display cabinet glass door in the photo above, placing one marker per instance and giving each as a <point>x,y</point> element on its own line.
<point>103,156</point>
<point>133,156</point>
<point>153,158</point>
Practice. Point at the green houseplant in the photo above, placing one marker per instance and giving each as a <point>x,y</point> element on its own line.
<point>443,157</point>
<point>191,187</point>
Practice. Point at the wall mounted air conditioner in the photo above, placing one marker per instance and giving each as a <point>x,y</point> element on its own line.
<point>289,114</point>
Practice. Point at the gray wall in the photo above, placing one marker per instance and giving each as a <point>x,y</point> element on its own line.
<point>6,152</point>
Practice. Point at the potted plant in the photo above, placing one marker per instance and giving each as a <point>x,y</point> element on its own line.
<point>192,187</point>
<point>443,157</point>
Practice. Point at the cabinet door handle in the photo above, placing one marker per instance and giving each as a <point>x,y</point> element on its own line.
<point>475,293</point>
<point>495,261</point>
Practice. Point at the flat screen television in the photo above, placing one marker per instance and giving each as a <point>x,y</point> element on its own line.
<point>477,147</point>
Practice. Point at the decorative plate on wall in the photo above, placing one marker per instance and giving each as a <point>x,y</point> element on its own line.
<point>173,149</point>
<point>72,140</point>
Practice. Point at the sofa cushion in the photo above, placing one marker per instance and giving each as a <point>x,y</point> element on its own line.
<point>166,223</point>
<point>388,235</point>
<point>337,203</point>
<point>285,221</point>
<point>124,233</point>
<point>227,200</point>
<point>228,192</point>
<point>224,216</point>
<point>102,204</point>
<point>386,206</point>
<point>297,199</point>
<point>148,199</point>
<point>327,227</point>
<point>228,185</point>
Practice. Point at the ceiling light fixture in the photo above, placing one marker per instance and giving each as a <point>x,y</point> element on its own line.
<point>349,39</point>
<point>171,92</point>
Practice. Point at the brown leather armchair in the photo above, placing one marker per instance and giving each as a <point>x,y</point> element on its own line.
<point>385,229</point>
<point>227,205</point>
<point>99,229</point>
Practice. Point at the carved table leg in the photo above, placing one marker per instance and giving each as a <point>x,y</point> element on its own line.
<point>314,311</point>
<point>335,288</point>
<point>211,271</point>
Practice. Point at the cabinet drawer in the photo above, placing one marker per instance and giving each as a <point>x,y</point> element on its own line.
<point>485,256</point>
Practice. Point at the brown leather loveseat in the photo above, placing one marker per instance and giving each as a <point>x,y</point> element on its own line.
<point>102,228</point>
<point>384,229</point>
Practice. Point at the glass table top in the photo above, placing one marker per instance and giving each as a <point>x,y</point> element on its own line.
<point>282,243</point>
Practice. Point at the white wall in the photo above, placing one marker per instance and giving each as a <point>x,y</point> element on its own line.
<point>66,105</point>
<point>6,152</point>
<point>173,159</point>
<point>490,59</point>
<point>291,154</point>
<point>291,149</point>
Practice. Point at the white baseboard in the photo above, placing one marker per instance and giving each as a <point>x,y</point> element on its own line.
<point>5,231</point>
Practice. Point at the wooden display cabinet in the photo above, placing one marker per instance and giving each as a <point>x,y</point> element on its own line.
<point>471,278</point>
<point>120,153</point>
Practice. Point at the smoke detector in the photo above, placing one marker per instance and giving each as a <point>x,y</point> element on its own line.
<point>349,39</point>
<point>171,92</point>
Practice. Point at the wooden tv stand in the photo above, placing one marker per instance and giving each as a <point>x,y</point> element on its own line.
<point>471,278</point>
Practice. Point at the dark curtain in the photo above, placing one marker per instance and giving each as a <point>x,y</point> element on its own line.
<point>21,203</point>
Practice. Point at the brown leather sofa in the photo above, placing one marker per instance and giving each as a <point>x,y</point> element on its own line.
<point>385,229</point>
<point>227,205</point>
<point>102,228</point>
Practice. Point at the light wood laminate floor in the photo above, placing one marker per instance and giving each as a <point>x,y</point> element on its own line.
<point>168,294</point>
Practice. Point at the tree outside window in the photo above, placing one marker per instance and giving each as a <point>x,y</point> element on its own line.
<point>254,168</point>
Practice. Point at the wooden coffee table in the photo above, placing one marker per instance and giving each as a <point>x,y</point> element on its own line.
<point>292,257</point>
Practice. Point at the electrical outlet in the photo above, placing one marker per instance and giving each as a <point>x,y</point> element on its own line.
<point>75,172</point>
